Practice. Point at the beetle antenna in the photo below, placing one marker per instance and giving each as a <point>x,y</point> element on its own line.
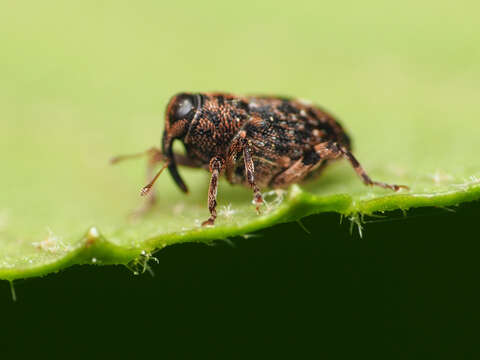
<point>146,189</point>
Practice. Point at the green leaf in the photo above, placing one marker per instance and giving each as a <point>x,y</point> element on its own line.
<point>405,85</point>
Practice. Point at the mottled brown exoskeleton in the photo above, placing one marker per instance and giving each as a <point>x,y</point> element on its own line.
<point>257,141</point>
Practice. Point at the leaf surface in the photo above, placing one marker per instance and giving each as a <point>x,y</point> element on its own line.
<point>405,85</point>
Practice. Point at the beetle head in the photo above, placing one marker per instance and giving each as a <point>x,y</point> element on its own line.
<point>181,111</point>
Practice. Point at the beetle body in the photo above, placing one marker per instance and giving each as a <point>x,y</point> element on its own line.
<point>280,132</point>
<point>256,141</point>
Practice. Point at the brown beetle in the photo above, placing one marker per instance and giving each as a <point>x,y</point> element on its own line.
<point>257,141</point>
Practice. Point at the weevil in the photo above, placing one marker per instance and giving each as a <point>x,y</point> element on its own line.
<point>255,141</point>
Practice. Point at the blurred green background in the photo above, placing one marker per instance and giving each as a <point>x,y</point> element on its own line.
<point>82,81</point>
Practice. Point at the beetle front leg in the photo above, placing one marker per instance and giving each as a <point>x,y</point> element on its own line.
<point>332,150</point>
<point>216,166</point>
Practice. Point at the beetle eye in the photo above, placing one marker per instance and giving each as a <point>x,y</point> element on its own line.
<point>185,106</point>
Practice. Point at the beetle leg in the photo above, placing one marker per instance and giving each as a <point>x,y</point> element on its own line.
<point>155,155</point>
<point>250,175</point>
<point>240,145</point>
<point>216,166</point>
<point>316,171</point>
<point>332,150</point>
<point>293,174</point>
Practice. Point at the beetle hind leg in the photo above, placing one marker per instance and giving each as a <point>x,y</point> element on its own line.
<point>331,150</point>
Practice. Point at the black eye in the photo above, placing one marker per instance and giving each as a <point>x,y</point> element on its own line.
<point>185,107</point>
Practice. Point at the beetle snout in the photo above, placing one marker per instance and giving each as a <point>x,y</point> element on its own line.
<point>167,149</point>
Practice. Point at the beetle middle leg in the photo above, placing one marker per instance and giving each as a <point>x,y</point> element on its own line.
<point>238,146</point>
<point>216,166</point>
<point>250,174</point>
<point>331,150</point>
